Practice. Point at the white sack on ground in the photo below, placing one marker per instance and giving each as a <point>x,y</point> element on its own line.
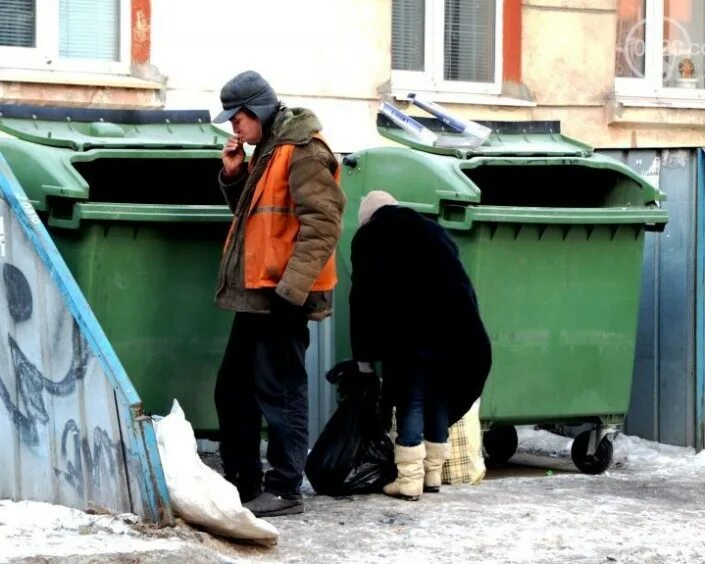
<point>199,494</point>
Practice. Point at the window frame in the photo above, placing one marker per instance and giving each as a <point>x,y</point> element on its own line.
<point>430,80</point>
<point>650,86</point>
<point>44,55</point>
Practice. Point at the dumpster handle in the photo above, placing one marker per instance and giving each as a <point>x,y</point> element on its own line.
<point>508,214</point>
<point>460,224</point>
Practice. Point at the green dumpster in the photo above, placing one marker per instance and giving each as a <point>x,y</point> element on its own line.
<point>552,236</point>
<point>132,202</point>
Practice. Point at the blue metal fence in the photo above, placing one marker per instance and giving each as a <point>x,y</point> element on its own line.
<point>666,402</point>
<point>700,307</point>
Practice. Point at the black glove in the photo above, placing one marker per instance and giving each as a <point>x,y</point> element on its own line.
<point>345,369</point>
<point>350,382</point>
<point>285,311</point>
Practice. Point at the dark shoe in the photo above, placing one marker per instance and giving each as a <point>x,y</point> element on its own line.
<point>268,504</point>
<point>247,491</point>
<point>248,494</point>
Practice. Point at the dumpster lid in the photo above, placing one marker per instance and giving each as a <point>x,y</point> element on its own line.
<point>508,138</point>
<point>82,129</point>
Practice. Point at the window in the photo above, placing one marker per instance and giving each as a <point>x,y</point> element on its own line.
<point>447,45</point>
<point>74,35</point>
<point>17,23</point>
<point>660,48</point>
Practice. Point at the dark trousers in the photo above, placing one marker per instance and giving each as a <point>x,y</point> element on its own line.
<point>419,396</point>
<point>263,374</point>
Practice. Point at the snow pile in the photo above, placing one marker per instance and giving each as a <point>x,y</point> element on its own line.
<point>28,528</point>
<point>633,454</point>
<point>532,440</point>
<point>635,451</point>
<point>31,515</point>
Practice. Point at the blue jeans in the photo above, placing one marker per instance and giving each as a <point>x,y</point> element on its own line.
<point>421,403</point>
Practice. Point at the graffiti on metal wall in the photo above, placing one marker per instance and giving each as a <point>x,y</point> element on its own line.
<point>30,410</point>
<point>31,383</point>
<point>100,460</point>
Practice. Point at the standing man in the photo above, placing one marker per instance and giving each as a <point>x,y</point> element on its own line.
<point>277,272</point>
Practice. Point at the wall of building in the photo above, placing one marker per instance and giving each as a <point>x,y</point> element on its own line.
<point>568,52</point>
<point>332,56</point>
<point>342,68</point>
<point>137,86</point>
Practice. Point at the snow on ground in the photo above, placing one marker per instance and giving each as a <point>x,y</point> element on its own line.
<point>30,528</point>
<point>648,508</point>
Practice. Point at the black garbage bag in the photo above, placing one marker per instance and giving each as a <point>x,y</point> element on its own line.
<point>354,454</point>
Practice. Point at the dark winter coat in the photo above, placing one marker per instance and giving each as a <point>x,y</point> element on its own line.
<point>410,290</point>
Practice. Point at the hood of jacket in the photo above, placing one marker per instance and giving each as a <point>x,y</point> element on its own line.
<point>294,126</point>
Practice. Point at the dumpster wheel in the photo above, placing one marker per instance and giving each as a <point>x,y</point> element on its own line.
<point>500,443</point>
<point>595,463</point>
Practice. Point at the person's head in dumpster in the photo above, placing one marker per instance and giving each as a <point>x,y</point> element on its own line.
<point>277,272</point>
<point>372,202</point>
<point>413,308</point>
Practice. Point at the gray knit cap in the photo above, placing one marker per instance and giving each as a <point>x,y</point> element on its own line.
<point>248,90</point>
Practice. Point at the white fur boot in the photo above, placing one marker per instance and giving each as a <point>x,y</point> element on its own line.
<point>410,472</point>
<point>436,455</point>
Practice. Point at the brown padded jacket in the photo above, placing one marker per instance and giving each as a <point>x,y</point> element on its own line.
<point>317,203</point>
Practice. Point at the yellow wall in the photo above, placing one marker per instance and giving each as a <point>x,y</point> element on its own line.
<point>333,56</point>
<point>568,49</point>
<point>568,53</point>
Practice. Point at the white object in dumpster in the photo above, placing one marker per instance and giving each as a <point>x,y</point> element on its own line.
<point>407,123</point>
<point>473,133</point>
<point>198,493</point>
